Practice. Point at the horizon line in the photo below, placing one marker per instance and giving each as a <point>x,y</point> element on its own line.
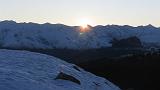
<point>20,22</point>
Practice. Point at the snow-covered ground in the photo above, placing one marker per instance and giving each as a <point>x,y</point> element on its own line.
<point>23,70</point>
<point>32,35</point>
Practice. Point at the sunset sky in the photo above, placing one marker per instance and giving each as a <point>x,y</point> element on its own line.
<point>72,12</point>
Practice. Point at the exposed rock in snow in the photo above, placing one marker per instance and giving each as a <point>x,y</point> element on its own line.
<point>64,76</point>
<point>23,70</point>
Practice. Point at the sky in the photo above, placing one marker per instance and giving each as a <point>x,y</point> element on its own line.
<point>72,12</point>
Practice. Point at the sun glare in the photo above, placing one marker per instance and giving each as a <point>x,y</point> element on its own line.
<point>84,22</point>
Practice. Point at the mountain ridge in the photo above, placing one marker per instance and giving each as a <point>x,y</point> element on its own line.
<point>50,36</point>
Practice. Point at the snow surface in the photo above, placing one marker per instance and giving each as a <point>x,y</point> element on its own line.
<point>23,70</point>
<point>49,36</point>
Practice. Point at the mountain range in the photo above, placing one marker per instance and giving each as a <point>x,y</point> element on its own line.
<point>51,36</point>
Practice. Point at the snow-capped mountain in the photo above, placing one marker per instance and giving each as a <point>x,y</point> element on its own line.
<point>23,70</point>
<point>49,36</point>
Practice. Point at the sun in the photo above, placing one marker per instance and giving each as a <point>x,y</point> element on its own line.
<point>84,25</point>
<point>84,22</point>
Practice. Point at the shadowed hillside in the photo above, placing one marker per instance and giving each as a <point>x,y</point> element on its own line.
<point>128,68</point>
